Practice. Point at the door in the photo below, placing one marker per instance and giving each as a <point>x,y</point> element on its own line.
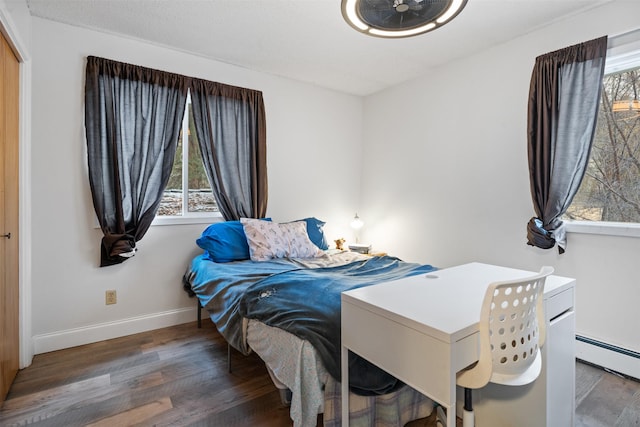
<point>9,107</point>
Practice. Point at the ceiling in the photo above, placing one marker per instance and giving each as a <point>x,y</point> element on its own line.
<point>308,40</point>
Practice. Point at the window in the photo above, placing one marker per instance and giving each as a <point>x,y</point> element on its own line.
<point>188,193</point>
<point>610,190</point>
<point>609,195</point>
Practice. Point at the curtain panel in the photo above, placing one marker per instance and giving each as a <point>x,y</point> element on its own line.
<point>231,128</point>
<point>563,105</point>
<point>133,116</point>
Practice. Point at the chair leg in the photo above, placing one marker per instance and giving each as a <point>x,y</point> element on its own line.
<point>468,418</point>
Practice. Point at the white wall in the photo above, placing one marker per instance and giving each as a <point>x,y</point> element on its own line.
<point>447,182</point>
<point>314,153</point>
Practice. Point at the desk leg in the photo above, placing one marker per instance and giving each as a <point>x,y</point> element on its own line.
<point>345,386</point>
<point>451,415</point>
<point>451,409</point>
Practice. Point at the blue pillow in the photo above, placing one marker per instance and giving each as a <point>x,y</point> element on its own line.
<point>225,241</point>
<point>315,232</point>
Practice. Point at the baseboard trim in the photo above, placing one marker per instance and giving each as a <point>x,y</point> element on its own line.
<point>103,331</point>
<point>618,359</point>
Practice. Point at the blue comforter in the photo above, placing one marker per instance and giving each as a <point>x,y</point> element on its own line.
<point>220,286</point>
<point>302,301</point>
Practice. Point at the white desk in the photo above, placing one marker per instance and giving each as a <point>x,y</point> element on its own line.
<point>424,329</point>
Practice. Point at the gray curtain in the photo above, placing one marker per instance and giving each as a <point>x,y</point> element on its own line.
<point>133,117</point>
<point>563,107</point>
<point>231,129</point>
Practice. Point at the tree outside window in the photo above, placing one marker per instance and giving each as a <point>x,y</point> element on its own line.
<point>188,181</point>
<point>610,190</point>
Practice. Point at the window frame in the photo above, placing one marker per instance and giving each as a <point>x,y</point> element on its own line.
<point>623,53</point>
<point>186,217</point>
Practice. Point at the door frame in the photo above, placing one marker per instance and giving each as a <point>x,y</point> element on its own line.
<point>9,30</point>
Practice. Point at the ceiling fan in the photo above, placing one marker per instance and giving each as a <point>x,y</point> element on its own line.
<point>399,18</point>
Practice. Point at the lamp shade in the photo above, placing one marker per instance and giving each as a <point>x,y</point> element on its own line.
<point>356,223</point>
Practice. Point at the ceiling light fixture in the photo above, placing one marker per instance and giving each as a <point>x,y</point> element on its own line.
<point>399,18</point>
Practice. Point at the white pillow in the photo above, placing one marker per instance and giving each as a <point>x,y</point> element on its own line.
<point>269,240</point>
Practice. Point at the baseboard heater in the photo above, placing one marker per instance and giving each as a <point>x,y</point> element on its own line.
<point>609,356</point>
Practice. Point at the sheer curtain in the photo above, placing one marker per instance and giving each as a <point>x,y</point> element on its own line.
<point>231,128</point>
<point>133,117</point>
<point>563,105</point>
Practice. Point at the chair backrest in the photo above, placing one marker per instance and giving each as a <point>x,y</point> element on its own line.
<point>512,330</point>
<point>513,312</point>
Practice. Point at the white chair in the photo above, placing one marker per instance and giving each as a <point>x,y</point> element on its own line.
<point>512,330</point>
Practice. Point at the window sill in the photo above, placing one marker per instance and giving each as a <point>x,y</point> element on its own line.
<point>603,228</point>
<point>181,220</point>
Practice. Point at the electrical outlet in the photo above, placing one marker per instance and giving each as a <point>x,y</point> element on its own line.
<point>110,297</point>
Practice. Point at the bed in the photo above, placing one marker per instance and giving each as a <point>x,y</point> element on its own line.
<point>274,289</point>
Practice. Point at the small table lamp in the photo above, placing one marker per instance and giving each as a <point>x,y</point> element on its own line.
<point>357,224</point>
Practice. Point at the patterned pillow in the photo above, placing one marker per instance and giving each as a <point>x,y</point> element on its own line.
<point>269,240</point>
<point>316,233</point>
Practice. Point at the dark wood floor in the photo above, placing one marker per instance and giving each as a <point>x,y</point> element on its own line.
<point>178,376</point>
<point>605,398</point>
<point>173,376</point>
